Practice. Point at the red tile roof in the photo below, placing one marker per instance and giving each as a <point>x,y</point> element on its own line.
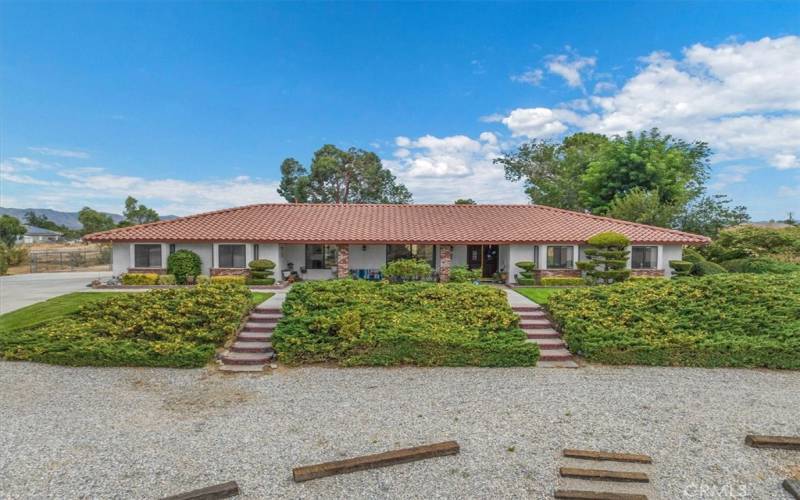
<point>332,223</point>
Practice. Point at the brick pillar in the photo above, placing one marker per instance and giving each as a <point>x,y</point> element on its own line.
<point>343,261</point>
<point>445,259</point>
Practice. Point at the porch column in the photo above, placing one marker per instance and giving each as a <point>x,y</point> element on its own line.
<point>445,259</point>
<point>343,261</point>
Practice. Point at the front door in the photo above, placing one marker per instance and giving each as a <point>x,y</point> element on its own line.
<point>474,256</point>
<point>491,260</point>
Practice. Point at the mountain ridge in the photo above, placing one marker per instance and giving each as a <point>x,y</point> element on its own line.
<point>68,219</point>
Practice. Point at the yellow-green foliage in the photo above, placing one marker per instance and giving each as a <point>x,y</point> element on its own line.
<point>139,279</point>
<point>357,322</point>
<point>237,280</point>
<point>718,320</point>
<point>178,327</point>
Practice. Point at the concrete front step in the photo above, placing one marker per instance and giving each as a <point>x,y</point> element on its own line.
<point>556,364</point>
<point>543,333</point>
<point>529,325</point>
<point>519,309</point>
<point>250,346</point>
<point>548,344</point>
<point>242,368</point>
<point>264,318</point>
<point>258,327</point>
<point>532,315</point>
<point>246,358</point>
<point>267,310</point>
<point>254,336</point>
<point>555,355</point>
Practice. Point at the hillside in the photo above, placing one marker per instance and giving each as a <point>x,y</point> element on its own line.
<point>68,219</point>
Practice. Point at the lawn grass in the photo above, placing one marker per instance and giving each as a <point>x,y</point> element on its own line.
<point>35,314</point>
<point>540,295</point>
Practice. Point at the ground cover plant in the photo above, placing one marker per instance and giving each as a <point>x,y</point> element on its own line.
<point>735,320</point>
<point>179,327</point>
<point>358,322</point>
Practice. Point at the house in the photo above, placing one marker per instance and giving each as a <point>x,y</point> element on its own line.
<point>321,241</point>
<point>35,234</point>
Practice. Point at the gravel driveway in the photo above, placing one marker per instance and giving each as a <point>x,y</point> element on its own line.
<point>145,433</point>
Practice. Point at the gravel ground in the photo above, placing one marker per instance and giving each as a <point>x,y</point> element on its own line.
<point>146,433</point>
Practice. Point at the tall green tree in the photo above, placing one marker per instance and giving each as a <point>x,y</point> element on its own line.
<point>644,207</point>
<point>552,172</point>
<point>465,201</point>
<point>337,176</point>
<point>136,213</point>
<point>10,229</point>
<point>710,214</point>
<point>94,221</point>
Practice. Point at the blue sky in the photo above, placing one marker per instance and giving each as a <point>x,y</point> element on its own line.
<point>192,107</point>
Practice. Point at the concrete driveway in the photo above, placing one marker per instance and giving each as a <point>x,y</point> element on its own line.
<point>25,289</point>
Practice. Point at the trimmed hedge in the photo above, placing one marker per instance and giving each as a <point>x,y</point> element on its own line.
<point>366,323</point>
<point>712,321</point>
<point>556,281</point>
<point>760,266</point>
<point>167,279</point>
<point>261,281</point>
<point>526,281</point>
<point>234,279</point>
<point>177,327</point>
<point>139,279</point>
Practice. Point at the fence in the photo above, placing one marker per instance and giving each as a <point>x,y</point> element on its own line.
<point>69,260</point>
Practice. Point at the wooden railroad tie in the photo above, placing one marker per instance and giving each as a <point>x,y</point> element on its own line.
<point>780,442</point>
<point>603,455</point>
<point>604,475</point>
<point>374,461</point>
<point>596,495</point>
<point>793,487</point>
<point>224,490</point>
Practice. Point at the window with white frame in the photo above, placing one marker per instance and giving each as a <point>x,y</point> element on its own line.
<point>644,257</point>
<point>321,256</point>
<point>147,255</point>
<point>233,256</point>
<point>560,257</point>
<point>421,252</point>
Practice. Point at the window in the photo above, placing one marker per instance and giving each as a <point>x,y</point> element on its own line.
<point>147,255</point>
<point>171,248</point>
<point>559,257</point>
<point>644,257</point>
<point>321,256</point>
<point>422,252</point>
<point>231,256</point>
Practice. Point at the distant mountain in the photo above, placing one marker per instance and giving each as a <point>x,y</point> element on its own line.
<point>68,219</point>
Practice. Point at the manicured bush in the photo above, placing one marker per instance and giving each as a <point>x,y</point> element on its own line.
<point>681,267</point>
<point>261,265</point>
<point>202,279</point>
<point>526,281</point>
<point>608,258</point>
<point>359,322</point>
<point>760,266</point>
<point>234,279</point>
<point>462,274</point>
<point>167,279</point>
<point>261,272</point>
<point>645,277</point>
<point>184,264</point>
<point>261,281</point>
<point>706,267</point>
<point>525,277</point>
<point>558,281</point>
<point>139,279</point>
<point>713,321</point>
<point>176,327</point>
<point>407,270</point>
<point>692,255</point>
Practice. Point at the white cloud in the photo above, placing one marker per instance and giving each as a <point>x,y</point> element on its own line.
<point>730,175</point>
<point>443,169</point>
<point>785,161</point>
<point>741,98</point>
<point>569,67</point>
<point>63,153</point>
<point>532,77</point>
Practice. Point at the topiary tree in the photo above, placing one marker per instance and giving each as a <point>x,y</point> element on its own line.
<point>184,264</point>
<point>261,271</point>
<point>608,258</point>
<point>681,267</point>
<point>526,276</point>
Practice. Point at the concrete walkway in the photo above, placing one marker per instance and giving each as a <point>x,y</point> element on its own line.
<point>23,290</point>
<point>516,299</point>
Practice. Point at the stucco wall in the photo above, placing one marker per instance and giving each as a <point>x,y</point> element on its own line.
<point>518,253</point>
<point>373,257</point>
<point>120,258</point>
<point>670,252</point>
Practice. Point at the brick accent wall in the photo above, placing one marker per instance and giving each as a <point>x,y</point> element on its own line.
<point>227,271</point>
<point>656,273</point>
<point>147,270</point>
<point>343,261</point>
<point>445,262</point>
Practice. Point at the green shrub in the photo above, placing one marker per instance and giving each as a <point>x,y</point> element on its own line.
<point>462,274</point>
<point>692,255</point>
<point>176,327</point>
<point>261,265</point>
<point>526,281</point>
<point>407,270</point>
<point>261,281</point>
<point>139,279</point>
<point>359,322</point>
<point>3,258</point>
<point>713,321</point>
<point>19,255</point>
<point>751,241</point>
<point>202,279</point>
<point>646,277</point>
<point>233,279</point>
<point>760,266</point>
<point>526,265</point>
<point>184,264</point>
<point>525,277</point>
<point>167,279</point>
<point>559,281</point>
<point>681,267</point>
<point>608,258</point>
<point>706,267</point>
